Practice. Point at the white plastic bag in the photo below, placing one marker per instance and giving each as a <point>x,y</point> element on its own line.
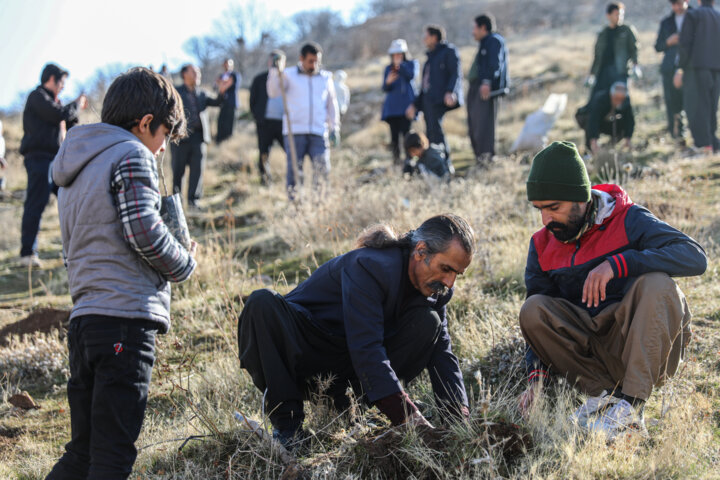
<point>537,125</point>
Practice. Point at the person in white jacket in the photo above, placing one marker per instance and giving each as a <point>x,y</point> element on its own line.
<point>312,111</point>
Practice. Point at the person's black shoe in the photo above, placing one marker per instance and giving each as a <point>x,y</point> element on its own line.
<point>292,439</point>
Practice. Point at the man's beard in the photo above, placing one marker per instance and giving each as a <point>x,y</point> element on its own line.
<point>565,232</point>
<point>438,288</point>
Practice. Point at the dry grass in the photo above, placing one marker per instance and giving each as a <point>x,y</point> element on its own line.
<point>251,238</point>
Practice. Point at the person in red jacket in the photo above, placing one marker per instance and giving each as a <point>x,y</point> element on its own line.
<point>602,309</point>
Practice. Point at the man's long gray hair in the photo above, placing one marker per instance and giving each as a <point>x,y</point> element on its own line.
<point>437,233</point>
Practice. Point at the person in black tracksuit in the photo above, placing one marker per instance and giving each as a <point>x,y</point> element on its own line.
<point>268,113</point>
<point>42,134</point>
<point>667,42</point>
<point>609,112</point>
<point>699,73</point>
<point>192,150</point>
<point>369,318</point>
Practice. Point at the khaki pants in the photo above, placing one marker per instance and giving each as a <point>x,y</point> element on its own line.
<point>631,345</point>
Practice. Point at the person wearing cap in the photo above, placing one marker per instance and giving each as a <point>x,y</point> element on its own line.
<point>400,90</point>
<point>45,122</point>
<point>602,308</point>
<point>609,112</point>
<point>488,80</point>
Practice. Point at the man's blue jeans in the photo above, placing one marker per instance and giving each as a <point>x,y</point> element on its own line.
<point>314,146</point>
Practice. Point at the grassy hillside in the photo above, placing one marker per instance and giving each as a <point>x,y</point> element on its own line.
<point>251,238</point>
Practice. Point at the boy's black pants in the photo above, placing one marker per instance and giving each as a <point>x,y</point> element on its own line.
<point>111,361</point>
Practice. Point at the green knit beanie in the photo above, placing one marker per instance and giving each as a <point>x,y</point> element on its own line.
<point>558,173</point>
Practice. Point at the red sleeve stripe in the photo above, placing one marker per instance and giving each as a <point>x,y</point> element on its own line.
<point>622,257</point>
<point>617,264</point>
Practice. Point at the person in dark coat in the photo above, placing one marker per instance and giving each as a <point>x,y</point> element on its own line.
<point>441,85</point>
<point>192,150</point>
<point>699,73</point>
<point>425,159</point>
<point>488,79</point>
<point>667,42</point>
<point>609,112</point>
<point>616,51</point>
<point>45,121</point>
<point>399,85</point>
<point>268,115</point>
<point>369,319</point>
<point>227,84</point>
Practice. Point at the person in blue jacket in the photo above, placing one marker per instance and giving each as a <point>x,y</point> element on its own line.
<point>368,319</point>
<point>441,85</point>
<point>399,85</point>
<point>488,79</point>
<point>602,309</point>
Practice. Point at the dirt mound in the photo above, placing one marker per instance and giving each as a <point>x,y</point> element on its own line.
<point>388,451</point>
<point>43,320</point>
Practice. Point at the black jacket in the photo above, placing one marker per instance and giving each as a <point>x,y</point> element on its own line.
<point>442,68</point>
<point>41,122</point>
<point>359,296</point>
<point>700,39</point>
<point>259,96</point>
<point>667,28</point>
<point>598,110</point>
<point>491,63</point>
<point>203,101</point>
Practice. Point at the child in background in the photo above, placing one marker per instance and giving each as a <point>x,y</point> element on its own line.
<point>120,258</point>
<point>426,159</point>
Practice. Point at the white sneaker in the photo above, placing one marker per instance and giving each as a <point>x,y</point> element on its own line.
<point>591,407</point>
<point>621,418</point>
<point>30,260</point>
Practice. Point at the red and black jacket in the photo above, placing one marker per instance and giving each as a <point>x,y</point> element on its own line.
<point>631,238</point>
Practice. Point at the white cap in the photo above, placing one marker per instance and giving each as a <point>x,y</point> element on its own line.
<point>398,46</point>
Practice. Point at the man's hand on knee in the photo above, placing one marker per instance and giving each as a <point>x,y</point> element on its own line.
<point>594,290</point>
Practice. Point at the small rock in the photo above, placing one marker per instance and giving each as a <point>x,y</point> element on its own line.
<point>23,400</point>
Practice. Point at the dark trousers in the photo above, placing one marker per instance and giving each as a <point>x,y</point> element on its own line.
<point>399,128</point>
<point>39,187</point>
<point>433,125</point>
<point>268,132</point>
<point>701,89</point>
<point>482,115</point>
<point>617,132</point>
<point>189,152</point>
<point>226,123</point>
<point>673,106</point>
<point>111,361</point>
<point>284,353</point>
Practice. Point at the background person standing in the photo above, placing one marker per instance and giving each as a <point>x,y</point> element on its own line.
<point>399,87</point>
<point>227,84</point>
<point>441,89</point>
<point>488,74</point>
<point>268,115</point>
<point>45,121</point>
<point>699,73</point>
<point>667,42</point>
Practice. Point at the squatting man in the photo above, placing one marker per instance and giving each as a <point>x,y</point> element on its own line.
<point>602,309</point>
<point>366,319</point>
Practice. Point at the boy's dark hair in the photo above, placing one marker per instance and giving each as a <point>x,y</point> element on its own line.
<point>310,48</point>
<point>612,6</point>
<point>52,71</point>
<point>484,20</point>
<point>436,31</point>
<point>416,140</point>
<point>185,68</point>
<point>140,91</point>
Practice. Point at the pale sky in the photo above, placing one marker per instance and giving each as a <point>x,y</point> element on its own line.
<point>82,35</point>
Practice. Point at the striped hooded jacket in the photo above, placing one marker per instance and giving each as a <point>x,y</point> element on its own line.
<point>627,235</point>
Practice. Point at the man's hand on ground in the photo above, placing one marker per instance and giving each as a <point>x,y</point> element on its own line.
<point>485,91</point>
<point>528,398</point>
<point>410,112</point>
<point>596,282</point>
<point>594,146</point>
